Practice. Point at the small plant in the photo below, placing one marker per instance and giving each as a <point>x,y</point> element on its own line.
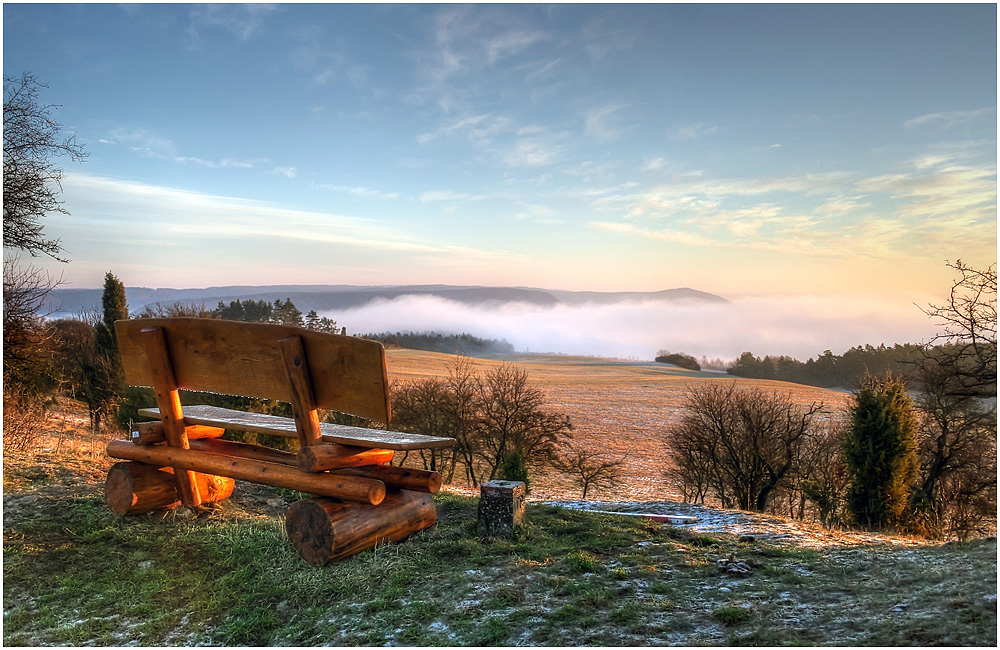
<point>514,469</point>
<point>625,613</point>
<point>730,615</point>
<point>496,631</point>
<point>507,596</point>
<point>582,562</point>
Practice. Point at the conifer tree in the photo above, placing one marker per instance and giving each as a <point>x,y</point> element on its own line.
<point>880,452</point>
<point>105,379</point>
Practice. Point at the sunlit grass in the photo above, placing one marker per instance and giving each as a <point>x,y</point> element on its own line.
<point>75,574</point>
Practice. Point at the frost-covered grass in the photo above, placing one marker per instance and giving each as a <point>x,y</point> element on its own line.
<point>75,574</point>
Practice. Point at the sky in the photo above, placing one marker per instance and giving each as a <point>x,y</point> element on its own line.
<point>748,151</point>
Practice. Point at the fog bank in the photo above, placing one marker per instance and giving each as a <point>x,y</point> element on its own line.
<point>799,326</point>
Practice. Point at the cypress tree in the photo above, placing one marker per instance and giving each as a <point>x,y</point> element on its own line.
<point>105,379</point>
<point>880,452</point>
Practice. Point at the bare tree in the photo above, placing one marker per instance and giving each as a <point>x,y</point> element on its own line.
<point>492,419</point>
<point>24,333</point>
<point>590,468</point>
<point>956,494</point>
<point>821,476</point>
<point>513,420</point>
<point>740,444</point>
<point>31,181</point>
<point>957,490</point>
<point>967,341</point>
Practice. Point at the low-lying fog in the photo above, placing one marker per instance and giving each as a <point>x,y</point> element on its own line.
<point>801,326</point>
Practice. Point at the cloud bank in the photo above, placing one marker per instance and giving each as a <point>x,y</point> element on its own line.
<point>800,326</point>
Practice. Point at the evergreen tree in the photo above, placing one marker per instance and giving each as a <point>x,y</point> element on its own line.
<point>115,308</point>
<point>105,381</point>
<point>880,452</point>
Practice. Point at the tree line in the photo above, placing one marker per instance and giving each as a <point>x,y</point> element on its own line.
<point>461,344</point>
<point>830,370</point>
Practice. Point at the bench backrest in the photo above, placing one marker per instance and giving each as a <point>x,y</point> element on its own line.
<point>348,374</point>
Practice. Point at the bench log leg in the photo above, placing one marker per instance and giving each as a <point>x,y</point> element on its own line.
<point>133,488</point>
<point>323,530</point>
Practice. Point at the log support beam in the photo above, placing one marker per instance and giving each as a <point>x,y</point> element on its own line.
<point>349,488</point>
<point>324,530</point>
<point>134,488</point>
<point>319,458</point>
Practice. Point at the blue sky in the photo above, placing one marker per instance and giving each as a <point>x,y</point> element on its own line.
<point>742,150</point>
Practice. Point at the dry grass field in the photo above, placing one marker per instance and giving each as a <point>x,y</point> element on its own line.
<point>622,408</point>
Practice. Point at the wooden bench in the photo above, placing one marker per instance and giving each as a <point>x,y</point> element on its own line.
<point>358,501</point>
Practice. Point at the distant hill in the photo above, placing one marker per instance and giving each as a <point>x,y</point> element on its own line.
<point>610,297</point>
<point>326,298</point>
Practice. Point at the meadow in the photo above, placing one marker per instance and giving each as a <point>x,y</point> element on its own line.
<point>76,574</point>
<point>622,408</point>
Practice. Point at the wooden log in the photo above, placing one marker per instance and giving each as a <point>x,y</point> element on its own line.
<point>244,450</point>
<point>302,398</point>
<point>151,433</point>
<point>168,400</point>
<point>418,480</point>
<point>319,458</point>
<point>350,488</point>
<point>323,530</point>
<point>133,488</point>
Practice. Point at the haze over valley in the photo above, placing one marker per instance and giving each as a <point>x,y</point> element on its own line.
<point>631,325</point>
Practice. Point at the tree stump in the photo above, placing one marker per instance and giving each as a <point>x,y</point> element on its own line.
<point>501,508</point>
<point>323,529</point>
<point>133,488</point>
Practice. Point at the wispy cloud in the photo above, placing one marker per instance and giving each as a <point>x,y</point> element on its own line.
<point>243,21</point>
<point>324,59</point>
<point>949,119</point>
<point>365,192</point>
<point>152,145</point>
<point>653,164</point>
<point>135,222</point>
<point>937,205</point>
<point>468,46</point>
<point>481,128</point>
<point>431,196</point>
<point>538,213</point>
<point>692,131</point>
<point>601,123</point>
<point>531,152</point>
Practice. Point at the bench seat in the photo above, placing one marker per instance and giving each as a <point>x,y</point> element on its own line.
<point>215,416</point>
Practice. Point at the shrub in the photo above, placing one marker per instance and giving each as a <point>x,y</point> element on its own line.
<point>22,420</point>
<point>680,360</point>
<point>514,469</point>
<point>880,452</point>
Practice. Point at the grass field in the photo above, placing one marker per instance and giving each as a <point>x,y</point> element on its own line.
<point>623,408</point>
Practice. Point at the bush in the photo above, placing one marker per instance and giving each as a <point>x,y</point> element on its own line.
<point>23,416</point>
<point>514,469</point>
<point>680,360</point>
